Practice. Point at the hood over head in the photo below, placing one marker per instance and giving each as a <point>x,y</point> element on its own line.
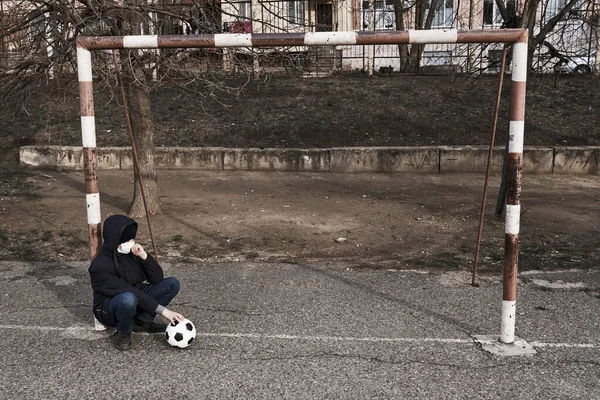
<point>128,234</point>
<point>113,229</point>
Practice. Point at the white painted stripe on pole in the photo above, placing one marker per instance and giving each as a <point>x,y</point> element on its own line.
<point>92,201</point>
<point>140,42</point>
<point>519,63</point>
<point>329,38</point>
<point>88,131</point>
<point>233,40</point>
<point>84,65</point>
<point>507,333</point>
<point>515,136</point>
<point>433,36</point>
<point>513,219</point>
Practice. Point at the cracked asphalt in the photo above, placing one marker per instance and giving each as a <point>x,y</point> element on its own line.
<point>303,331</point>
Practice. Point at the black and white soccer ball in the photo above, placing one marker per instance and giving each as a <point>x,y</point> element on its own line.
<point>180,334</point>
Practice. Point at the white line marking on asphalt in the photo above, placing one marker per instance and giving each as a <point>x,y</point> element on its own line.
<point>333,338</point>
<point>557,271</point>
<point>78,328</point>
<point>34,327</point>
<point>580,345</point>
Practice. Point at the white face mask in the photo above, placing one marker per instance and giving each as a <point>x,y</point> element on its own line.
<point>125,248</point>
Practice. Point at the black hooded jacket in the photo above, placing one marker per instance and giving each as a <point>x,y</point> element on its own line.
<point>113,273</point>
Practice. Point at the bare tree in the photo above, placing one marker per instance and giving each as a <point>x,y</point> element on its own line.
<point>529,19</point>
<point>136,87</point>
<point>424,13</point>
<point>42,35</point>
<point>595,22</point>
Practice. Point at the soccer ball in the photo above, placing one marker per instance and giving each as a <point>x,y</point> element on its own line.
<point>181,334</point>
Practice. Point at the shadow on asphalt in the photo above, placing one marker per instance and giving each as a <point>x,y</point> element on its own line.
<point>63,280</point>
<point>466,328</point>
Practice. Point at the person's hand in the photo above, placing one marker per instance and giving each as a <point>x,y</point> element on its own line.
<point>139,251</point>
<point>172,316</point>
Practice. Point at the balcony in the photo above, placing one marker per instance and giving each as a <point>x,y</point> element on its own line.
<point>237,27</point>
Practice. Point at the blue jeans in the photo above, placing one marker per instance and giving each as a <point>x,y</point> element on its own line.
<point>124,306</point>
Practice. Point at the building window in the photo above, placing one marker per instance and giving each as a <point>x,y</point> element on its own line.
<point>296,12</point>
<point>444,14</point>
<point>244,10</point>
<point>491,13</point>
<point>494,60</point>
<point>553,7</point>
<point>242,15</point>
<point>385,17</point>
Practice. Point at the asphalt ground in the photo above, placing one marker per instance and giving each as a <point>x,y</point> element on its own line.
<point>304,331</point>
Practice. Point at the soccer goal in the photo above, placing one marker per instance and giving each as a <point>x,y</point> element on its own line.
<point>517,37</point>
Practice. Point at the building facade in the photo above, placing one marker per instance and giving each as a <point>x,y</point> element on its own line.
<point>575,37</point>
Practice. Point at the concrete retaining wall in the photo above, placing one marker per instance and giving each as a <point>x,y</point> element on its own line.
<point>315,160</point>
<point>425,159</point>
<point>536,160</point>
<point>384,159</point>
<point>577,160</point>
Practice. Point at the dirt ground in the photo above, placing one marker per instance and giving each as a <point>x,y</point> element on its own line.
<point>369,220</point>
<point>345,110</point>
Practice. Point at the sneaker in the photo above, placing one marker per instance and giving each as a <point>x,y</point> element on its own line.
<point>122,340</point>
<point>150,327</point>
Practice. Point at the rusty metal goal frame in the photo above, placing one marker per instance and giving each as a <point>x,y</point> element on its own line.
<point>517,37</point>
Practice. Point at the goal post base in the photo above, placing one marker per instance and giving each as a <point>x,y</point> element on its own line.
<point>493,345</point>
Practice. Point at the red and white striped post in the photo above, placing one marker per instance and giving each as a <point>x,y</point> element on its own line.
<point>90,157</point>
<point>513,195</point>
<point>517,111</point>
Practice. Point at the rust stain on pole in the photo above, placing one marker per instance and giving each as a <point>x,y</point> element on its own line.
<point>489,36</point>
<point>511,261</point>
<point>176,41</point>
<point>369,37</point>
<point>86,98</point>
<point>274,39</point>
<point>100,42</point>
<point>95,235</point>
<point>513,181</point>
<point>517,101</point>
<point>524,37</point>
<point>90,166</point>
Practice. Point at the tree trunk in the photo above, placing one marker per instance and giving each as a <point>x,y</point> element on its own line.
<point>528,21</point>
<point>471,47</point>
<point>138,97</point>
<point>424,15</point>
<point>135,81</point>
<point>596,29</point>
<point>594,26</point>
<point>400,26</point>
<point>371,48</point>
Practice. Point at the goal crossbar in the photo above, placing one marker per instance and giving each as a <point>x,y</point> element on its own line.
<point>517,37</point>
<point>301,39</point>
